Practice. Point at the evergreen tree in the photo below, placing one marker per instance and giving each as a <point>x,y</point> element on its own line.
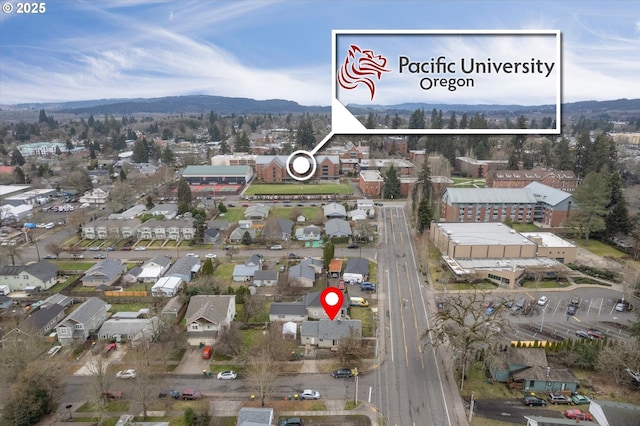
<point>167,156</point>
<point>327,254</point>
<point>43,117</point>
<point>424,180</point>
<point>416,121</point>
<point>453,122</point>
<point>425,215</point>
<point>16,158</point>
<point>199,226</point>
<point>518,140</point>
<point>591,197</point>
<point>617,220</point>
<point>246,238</point>
<point>396,122</point>
<point>69,146</point>
<point>184,196</point>
<point>391,184</point>
<point>20,177</point>
<point>149,202</point>
<point>370,124</point>
<point>207,268</point>
<point>305,137</point>
<point>464,121</point>
<point>140,153</point>
<point>562,156</point>
<point>242,143</point>
<point>583,159</point>
<point>92,152</point>
<point>123,175</point>
<point>224,148</point>
<point>221,207</point>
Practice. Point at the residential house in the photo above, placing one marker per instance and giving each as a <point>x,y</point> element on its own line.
<point>44,319</point>
<point>57,299</point>
<point>288,311</point>
<point>82,322</point>
<point>208,315</point>
<point>309,233</point>
<point>211,236</point>
<point>326,333</point>
<point>315,310</point>
<point>245,224</point>
<point>169,211</point>
<point>105,273</point>
<point>364,204</point>
<point>176,229</point>
<point>134,212</point>
<point>96,197</point>
<point>334,210</point>
<point>250,416</point>
<point>277,230</point>
<point>546,379</point>
<point>337,228</point>
<point>266,278</point>
<point>256,212</point>
<point>236,235</point>
<point>185,268</point>
<point>255,260</point>
<point>243,273</point>
<point>42,274</point>
<point>174,309</point>
<point>302,274</point>
<point>356,270</point>
<point>167,287</point>
<point>104,229</point>
<point>612,413</point>
<point>130,330</point>
<point>131,276</point>
<point>154,268</point>
<point>220,224</point>
<point>516,359</point>
<point>335,268</point>
<point>357,214</point>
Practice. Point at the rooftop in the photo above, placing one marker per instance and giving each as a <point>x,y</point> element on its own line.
<point>488,233</point>
<point>548,239</point>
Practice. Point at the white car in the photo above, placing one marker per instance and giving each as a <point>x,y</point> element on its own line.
<point>543,300</point>
<point>227,375</point>
<point>211,256</point>
<point>276,247</point>
<point>309,394</point>
<point>192,255</point>
<point>126,374</point>
<point>140,248</point>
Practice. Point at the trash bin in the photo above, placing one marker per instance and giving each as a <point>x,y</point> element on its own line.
<point>289,397</point>
<point>209,373</point>
<point>201,345</point>
<point>253,397</point>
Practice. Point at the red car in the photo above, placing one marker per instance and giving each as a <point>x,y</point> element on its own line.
<point>577,415</point>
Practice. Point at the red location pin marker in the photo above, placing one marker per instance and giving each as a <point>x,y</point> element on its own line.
<point>331,299</point>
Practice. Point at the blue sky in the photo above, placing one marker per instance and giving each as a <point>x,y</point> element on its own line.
<point>89,49</point>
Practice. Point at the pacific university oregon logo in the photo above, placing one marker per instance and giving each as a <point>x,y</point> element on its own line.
<point>359,66</point>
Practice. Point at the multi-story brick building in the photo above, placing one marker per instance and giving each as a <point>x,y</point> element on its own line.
<point>370,182</point>
<point>565,180</point>
<point>478,168</point>
<point>403,167</point>
<point>273,168</point>
<point>395,145</point>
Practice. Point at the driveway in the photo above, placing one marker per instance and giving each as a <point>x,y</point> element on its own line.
<point>192,362</point>
<point>93,361</point>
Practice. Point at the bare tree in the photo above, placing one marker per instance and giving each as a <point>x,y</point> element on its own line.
<point>467,328</point>
<point>229,342</point>
<point>252,307</point>
<point>274,343</point>
<point>143,387</point>
<point>121,196</point>
<point>54,248</point>
<point>97,367</point>
<point>11,251</point>
<point>261,372</point>
<point>619,359</point>
<point>351,349</point>
<point>232,252</point>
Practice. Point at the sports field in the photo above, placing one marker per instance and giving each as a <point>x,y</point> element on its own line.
<point>298,189</point>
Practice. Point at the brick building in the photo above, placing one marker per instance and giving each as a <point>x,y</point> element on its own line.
<point>564,180</point>
<point>370,182</point>
<point>273,168</point>
<point>471,167</point>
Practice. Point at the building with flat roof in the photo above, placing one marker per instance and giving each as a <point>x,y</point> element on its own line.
<point>210,175</point>
<point>370,182</point>
<point>32,197</point>
<point>498,253</point>
<point>564,180</point>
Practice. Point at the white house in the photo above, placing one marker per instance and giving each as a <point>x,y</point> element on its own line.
<point>96,196</point>
<point>207,315</point>
<point>166,287</point>
<point>243,273</point>
<point>265,278</point>
<point>153,269</point>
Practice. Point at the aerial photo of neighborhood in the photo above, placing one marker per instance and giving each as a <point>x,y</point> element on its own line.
<point>319,213</point>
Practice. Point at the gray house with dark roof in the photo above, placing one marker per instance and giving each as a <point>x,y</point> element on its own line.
<point>250,416</point>
<point>337,228</point>
<point>315,310</point>
<point>614,413</point>
<point>302,274</point>
<point>85,320</point>
<point>291,311</point>
<point>265,278</point>
<point>185,268</point>
<point>326,333</point>
<point>42,274</point>
<point>105,273</point>
<point>44,319</point>
<point>207,315</point>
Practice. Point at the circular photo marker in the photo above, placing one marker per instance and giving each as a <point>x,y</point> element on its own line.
<point>301,165</point>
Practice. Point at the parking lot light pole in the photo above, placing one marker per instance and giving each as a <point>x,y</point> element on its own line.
<point>542,322</point>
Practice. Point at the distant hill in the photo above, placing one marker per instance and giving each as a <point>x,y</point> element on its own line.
<point>176,105</point>
<point>201,104</point>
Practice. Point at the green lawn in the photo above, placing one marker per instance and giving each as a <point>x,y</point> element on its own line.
<point>62,285</point>
<point>73,265</point>
<point>233,214</point>
<point>298,189</point>
<point>544,284</point>
<point>366,316</point>
<point>128,307</point>
<point>285,212</point>
<point>459,182</point>
<point>525,227</point>
<point>599,248</point>
<point>224,272</point>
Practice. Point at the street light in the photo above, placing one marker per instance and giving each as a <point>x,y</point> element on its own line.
<point>68,407</point>
<point>542,322</point>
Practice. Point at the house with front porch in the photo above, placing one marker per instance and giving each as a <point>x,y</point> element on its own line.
<point>207,316</point>
<point>326,334</point>
<point>81,323</point>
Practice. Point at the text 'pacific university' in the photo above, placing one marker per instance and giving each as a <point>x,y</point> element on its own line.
<point>441,65</point>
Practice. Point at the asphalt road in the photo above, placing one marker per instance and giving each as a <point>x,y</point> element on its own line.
<point>411,388</point>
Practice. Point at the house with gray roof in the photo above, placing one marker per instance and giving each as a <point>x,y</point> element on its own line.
<point>131,276</point>
<point>220,224</point>
<point>83,321</point>
<point>58,299</point>
<point>326,333</point>
<point>42,274</point>
<point>130,330</point>
<point>337,228</point>
<point>614,413</point>
<point>308,233</point>
<point>256,212</point>
<point>243,273</point>
<point>356,270</point>
<point>208,315</point>
<point>315,310</point>
<point>169,211</point>
<point>302,274</point>
<point>255,260</point>
<point>105,273</point>
<point>250,416</point>
<point>154,268</point>
<point>288,311</point>
<point>265,278</point>
<point>236,235</point>
<point>185,268</point>
<point>211,236</point>
<point>334,210</point>
<point>44,319</point>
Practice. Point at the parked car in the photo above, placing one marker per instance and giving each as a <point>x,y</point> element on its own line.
<point>191,394</point>
<point>77,256</point>
<point>94,249</point>
<point>543,300</point>
<point>140,248</point>
<point>54,350</point>
<point>192,255</point>
<point>596,334</point>
<point>580,399</point>
<point>126,374</point>
<point>126,248</point>
<point>576,414</point>
<point>51,256</point>
<point>344,372</point>
<point>341,285</point>
<point>489,311</point>
<point>109,249</point>
<point>169,392</point>
<point>227,375</point>
<point>532,401</point>
<point>575,301</point>
<point>572,309</point>
<point>309,394</point>
<point>276,247</point>
<point>353,246</point>
<point>293,256</point>
<point>211,256</point>
<point>583,334</point>
<point>291,421</point>
<point>558,398</point>
<point>623,305</point>
<point>367,286</point>
<point>100,256</point>
<point>113,394</point>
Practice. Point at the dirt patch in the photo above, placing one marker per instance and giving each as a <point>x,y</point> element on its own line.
<point>585,257</point>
